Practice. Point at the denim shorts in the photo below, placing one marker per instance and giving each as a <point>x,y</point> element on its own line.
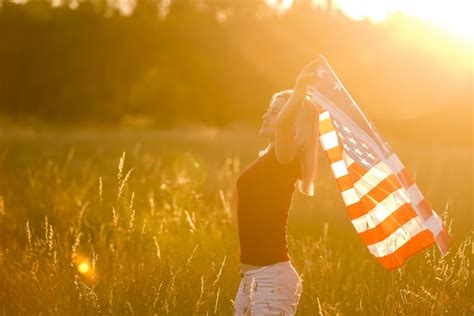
<point>270,290</point>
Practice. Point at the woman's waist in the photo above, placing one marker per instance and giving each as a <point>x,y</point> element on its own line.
<point>249,269</point>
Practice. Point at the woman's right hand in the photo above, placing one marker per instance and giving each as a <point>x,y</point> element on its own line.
<point>307,77</point>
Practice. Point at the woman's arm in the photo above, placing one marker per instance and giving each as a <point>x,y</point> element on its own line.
<point>285,146</point>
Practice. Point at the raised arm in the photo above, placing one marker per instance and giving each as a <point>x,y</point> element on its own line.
<point>285,145</point>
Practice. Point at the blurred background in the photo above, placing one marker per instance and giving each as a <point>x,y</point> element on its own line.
<point>124,125</point>
<point>163,63</point>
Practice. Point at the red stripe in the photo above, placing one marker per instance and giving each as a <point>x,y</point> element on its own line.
<point>425,209</point>
<point>414,245</point>
<point>406,178</point>
<point>356,171</point>
<point>399,217</point>
<point>334,154</point>
<point>442,240</point>
<point>325,126</point>
<point>356,210</point>
<point>344,183</point>
<point>381,191</point>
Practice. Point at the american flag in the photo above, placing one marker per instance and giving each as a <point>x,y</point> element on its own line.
<point>385,205</point>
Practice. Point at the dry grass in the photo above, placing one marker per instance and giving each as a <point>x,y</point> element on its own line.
<point>143,223</point>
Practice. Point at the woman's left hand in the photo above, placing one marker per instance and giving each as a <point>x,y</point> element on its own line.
<point>307,77</point>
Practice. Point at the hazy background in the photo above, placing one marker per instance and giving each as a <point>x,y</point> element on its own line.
<point>158,63</point>
<point>124,125</point>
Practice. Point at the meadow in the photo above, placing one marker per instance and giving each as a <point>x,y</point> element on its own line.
<point>143,222</point>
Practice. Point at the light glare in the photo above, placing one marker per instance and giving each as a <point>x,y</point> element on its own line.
<point>453,16</point>
<point>83,268</point>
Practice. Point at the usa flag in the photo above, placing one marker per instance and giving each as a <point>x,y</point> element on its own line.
<point>386,207</point>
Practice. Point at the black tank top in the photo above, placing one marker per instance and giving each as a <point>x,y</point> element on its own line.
<point>264,191</point>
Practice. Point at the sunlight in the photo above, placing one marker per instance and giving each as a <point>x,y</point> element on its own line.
<point>453,16</point>
<point>126,7</point>
<point>83,267</point>
<point>280,5</point>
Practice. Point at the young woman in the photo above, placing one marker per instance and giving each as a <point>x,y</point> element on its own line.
<point>270,285</point>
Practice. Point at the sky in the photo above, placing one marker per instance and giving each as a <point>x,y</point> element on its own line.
<point>454,16</point>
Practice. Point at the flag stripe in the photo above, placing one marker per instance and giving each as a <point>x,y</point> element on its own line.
<point>389,225</point>
<point>381,211</point>
<point>334,154</point>
<point>442,240</point>
<point>339,169</point>
<point>415,194</point>
<point>394,163</point>
<point>325,126</point>
<point>406,177</point>
<point>419,242</point>
<point>385,206</point>
<point>324,116</point>
<point>356,171</point>
<point>350,196</point>
<point>434,224</point>
<point>380,192</point>
<point>329,140</point>
<point>397,239</point>
<point>344,183</point>
<point>424,209</point>
<point>373,177</point>
<point>356,210</point>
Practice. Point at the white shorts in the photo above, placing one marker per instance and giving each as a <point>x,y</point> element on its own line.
<point>270,290</point>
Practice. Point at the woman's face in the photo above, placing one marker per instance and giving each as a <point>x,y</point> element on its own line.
<point>269,118</point>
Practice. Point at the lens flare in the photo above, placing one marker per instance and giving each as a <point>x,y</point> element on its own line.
<point>83,267</point>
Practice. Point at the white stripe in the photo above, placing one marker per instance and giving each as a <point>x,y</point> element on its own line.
<point>350,197</point>
<point>434,224</point>
<point>324,116</point>
<point>329,140</point>
<point>381,211</point>
<point>415,194</point>
<point>394,163</point>
<point>397,239</point>
<point>373,177</point>
<point>339,169</point>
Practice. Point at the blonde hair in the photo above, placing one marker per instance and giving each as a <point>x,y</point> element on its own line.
<point>306,137</point>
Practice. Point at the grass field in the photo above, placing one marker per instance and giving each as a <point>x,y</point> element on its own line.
<point>143,222</point>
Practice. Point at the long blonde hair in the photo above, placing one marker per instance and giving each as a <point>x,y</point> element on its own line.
<point>306,134</point>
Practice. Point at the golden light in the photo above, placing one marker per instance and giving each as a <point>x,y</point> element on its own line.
<point>375,11</point>
<point>454,15</point>
<point>279,5</point>
<point>83,267</point>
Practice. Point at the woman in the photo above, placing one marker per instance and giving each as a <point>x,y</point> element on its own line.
<point>269,283</point>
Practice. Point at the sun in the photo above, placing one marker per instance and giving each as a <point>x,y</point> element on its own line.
<point>453,16</point>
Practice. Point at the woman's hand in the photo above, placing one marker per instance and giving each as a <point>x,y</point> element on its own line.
<point>306,77</point>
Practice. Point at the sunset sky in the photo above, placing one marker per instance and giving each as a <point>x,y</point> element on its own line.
<point>454,16</point>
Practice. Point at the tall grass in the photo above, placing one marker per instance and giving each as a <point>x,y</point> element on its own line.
<point>144,223</point>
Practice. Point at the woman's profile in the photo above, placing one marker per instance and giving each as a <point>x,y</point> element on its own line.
<point>270,285</point>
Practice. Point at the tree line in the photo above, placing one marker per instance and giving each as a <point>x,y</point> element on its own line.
<point>214,62</point>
